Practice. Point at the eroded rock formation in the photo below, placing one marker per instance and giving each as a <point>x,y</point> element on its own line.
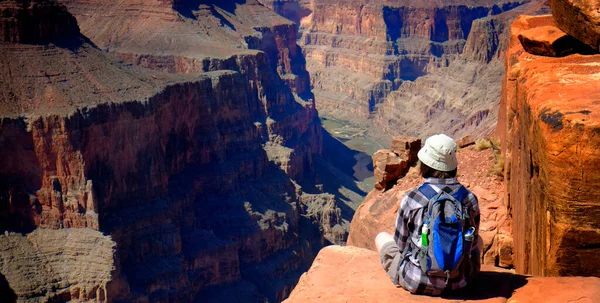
<point>197,175</point>
<point>389,165</point>
<point>351,274</point>
<point>549,118</point>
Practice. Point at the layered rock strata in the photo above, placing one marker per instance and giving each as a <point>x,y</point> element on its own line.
<point>298,11</point>
<point>550,123</point>
<point>194,37</point>
<point>58,265</point>
<point>366,59</point>
<point>196,177</point>
<point>351,274</point>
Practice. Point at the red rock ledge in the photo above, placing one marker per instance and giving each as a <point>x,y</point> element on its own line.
<point>352,274</point>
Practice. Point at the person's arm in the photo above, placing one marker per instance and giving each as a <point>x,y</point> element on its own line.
<point>477,245</point>
<point>401,233</point>
<point>475,213</point>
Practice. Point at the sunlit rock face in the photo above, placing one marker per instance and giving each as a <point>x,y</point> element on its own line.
<point>549,122</point>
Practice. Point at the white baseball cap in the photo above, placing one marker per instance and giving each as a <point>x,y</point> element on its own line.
<point>439,152</point>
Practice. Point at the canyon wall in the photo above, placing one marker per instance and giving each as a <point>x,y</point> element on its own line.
<point>408,67</point>
<point>194,173</point>
<point>549,122</point>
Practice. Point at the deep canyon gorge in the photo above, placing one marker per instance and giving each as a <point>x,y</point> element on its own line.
<point>208,151</point>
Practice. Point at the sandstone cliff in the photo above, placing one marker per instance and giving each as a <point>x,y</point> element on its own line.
<point>197,175</point>
<point>549,122</point>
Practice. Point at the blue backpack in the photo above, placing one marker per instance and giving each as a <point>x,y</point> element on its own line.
<point>446,236</point>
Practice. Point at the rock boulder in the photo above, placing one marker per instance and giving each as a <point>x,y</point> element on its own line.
<point>551,41</point>
<point>578,18</point>
<point>407,148</point>
<point>388,167</point>
<point>465,141</point>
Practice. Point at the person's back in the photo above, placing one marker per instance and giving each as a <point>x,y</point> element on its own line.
<point>403,254</point>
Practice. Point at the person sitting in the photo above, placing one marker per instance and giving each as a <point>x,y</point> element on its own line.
<point>432,251</point>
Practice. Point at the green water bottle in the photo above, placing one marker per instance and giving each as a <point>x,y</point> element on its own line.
<point>424,233</point>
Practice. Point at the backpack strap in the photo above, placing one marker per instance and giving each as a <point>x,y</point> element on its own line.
<point>427,191</point>
<point>460,194</point>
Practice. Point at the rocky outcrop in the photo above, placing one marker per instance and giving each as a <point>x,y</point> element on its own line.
<point>378,211</point>
<point>549,123</point>
<point>298,11</point>
<point>551,41</point>
<point>465,141</point>
<point>351,274</point>
<point>196,175</point>
<point>391,165</point>
<point>580,19</point>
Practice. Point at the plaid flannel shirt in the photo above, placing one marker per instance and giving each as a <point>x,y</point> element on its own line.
<point>408,228</point>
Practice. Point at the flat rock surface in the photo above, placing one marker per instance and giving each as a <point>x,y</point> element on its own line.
<point>351,274</point>
<point>160,28</point>
<point>47,67</point>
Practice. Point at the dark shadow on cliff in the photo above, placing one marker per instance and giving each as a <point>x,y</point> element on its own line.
<point>490,284</point>
<point>235,292</point>
<point>209,208</point>
<point>7,294</point>
<point>73,43</point>
<point>20,176</point>
<point>187,7</point>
